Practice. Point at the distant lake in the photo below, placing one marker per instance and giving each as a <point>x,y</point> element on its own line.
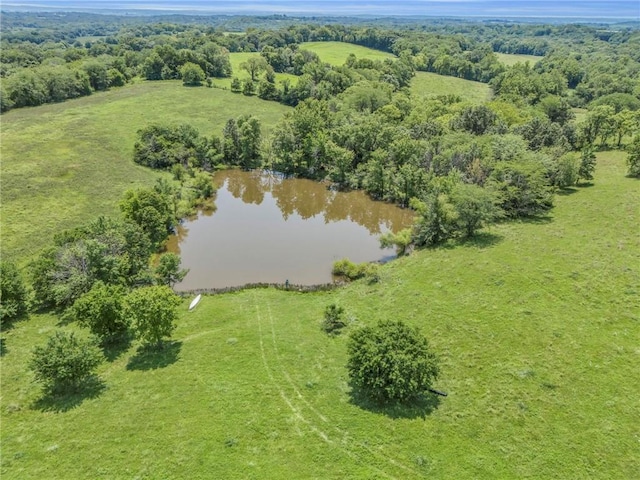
<point>266,228</point>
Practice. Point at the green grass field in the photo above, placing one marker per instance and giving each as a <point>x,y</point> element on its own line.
<point>63,164</point>
<point>236,60</point>
<point>535,323</point>
<point>336,53</point>
<point>431,84</point>
<point>511,59</point>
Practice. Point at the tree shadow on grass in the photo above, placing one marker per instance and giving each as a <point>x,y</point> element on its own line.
<point>536,219</point>
<point>479,240</point>
<point>483,240</point>
<point>420,407</point>
<point>3,347</point>
<point>64,317</point>
<point>566,191</point>
<point>150,357</point>
<point>9,324</point>
<point>56,401</point>
<point>114,349</point>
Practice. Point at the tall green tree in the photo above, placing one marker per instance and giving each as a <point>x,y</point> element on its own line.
<point>97,72</point>
<point>152,312</point>
<point>254,66</point>
<point>14,297</point>
<point>231,143</point>
<point>101,310</point>
<point>192,74</point>
<point>104,250</point>
<point>475,207</point>
<point>151,210</point>
<point>633,157</point>
<point>476,119</point>
<point>521,188</point>
<point>587,164</point>
<point>250,139</point>
<point>437,220</point>
<point>168,271</point>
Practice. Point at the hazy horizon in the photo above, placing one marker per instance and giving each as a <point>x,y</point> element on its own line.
<point>623,9</point>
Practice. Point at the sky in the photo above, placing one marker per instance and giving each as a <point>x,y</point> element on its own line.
<point>626,9</point>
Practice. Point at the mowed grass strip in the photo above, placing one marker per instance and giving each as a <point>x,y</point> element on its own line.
<point>426,84</point>
<point>535,323</point>
<point>336,53</point>
<point>64,164</point>
<point>511,59</point>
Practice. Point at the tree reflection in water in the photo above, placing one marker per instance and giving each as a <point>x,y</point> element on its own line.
<point>267,228</point>
<point>308,199</point>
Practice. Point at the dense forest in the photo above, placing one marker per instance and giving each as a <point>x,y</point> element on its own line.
<point>48,58</point>
<point>356,125</point>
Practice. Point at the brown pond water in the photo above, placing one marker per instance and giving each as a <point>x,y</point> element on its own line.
<point>266,228</point>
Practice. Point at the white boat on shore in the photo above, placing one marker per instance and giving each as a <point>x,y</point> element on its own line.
<point>195,302</point>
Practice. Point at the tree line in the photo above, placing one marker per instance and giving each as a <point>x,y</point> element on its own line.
<point>589,61</point>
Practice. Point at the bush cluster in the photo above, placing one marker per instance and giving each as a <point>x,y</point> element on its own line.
<point>354,271</point>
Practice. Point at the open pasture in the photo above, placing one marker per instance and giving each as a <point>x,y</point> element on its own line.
<point>336,53</point>
<point>64,164</point>
<point>236,59</point>
<point>431,84</point>
<point>535,323</point>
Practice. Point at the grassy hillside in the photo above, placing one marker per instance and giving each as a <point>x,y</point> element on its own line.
<point>510,59</point>
<point>426,84</point>
<point>66,163</point>
<point>336,53</point>
<point>536,325</point>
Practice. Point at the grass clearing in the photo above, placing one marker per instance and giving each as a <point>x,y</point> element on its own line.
<point>431,84</point>
<point>510,59</point>
<point>236,60</point>
<point>63,164</point>
<point>336,53</point>
<point>536,325</point>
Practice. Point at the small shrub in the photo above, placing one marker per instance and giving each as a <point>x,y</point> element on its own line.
<point>391,362</point>
<point>333,319</point>
<point>236,85</point>
<point>65,362</point>
<point>354,271</point>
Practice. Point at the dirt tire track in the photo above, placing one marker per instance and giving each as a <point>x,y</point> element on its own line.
<point>344,433</point>
<point>297,411</point>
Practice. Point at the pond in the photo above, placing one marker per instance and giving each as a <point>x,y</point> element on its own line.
<point>266,228</point>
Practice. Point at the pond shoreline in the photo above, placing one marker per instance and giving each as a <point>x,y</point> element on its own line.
<point>267,228</point>
<point>321,287</point>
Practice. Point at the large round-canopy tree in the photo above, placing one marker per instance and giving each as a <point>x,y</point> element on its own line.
<point>391,362</point>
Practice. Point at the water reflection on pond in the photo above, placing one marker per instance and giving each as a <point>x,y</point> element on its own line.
<point>269,229</point>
